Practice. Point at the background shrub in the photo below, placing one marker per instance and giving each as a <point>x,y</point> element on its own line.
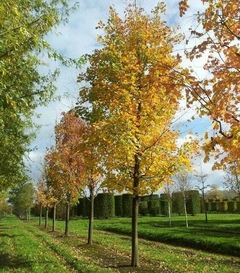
<point>118,205</point>
<point>127,205</point>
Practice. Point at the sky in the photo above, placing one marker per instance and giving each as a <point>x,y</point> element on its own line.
<point>79,37</point>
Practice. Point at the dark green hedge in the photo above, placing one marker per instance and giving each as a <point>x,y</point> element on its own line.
<point>118,205</point>
<point>127,205</point>
<point>177,203</point>
<point>143,208</point>
<point>193,202</point>
<point>104,205</point>
<point>164,199</point>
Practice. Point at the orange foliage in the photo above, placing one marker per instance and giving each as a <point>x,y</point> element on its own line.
<point>64,162</point>
<point>218,96</point>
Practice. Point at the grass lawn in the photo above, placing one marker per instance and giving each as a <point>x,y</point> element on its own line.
<point>26,247</point>
<point>220,235</point>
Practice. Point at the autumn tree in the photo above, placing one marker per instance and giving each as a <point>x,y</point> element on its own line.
<point>64,162</point>
<point>130,93</point>
<point>24,26</point>
<point>93,170</point>
<point>214,192</point>
<point>232,177</point>
<point>183,185</point>
<point>217,39</point>
<point>46,199</point>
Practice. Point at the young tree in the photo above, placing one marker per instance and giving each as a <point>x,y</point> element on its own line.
<point>46,199</point>
<point>65,164</point>
<point>183,185</point>
<point>202,178</point>
<point>218,96</point>
<point>133,93</point>
<point>168,190</point>
<point>232,177</point>
<point>214,192</point>
<point>22,199</point>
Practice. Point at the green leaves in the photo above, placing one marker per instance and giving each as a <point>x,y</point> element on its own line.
<point>23,28</point>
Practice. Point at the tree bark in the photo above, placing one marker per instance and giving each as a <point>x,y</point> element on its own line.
<point>185,211</point>
<point>67,219</point>
<point>54,217</point>
<point>91,217</point>
<point>169,213</point>
<point>46,218</point>
<point>135,255</point>
<point>40,216</point>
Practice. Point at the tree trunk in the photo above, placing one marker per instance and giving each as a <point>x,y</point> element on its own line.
<point>169,213</point>
<point>185,211</point>
<point>135,256</point>
<point>54,217</point>
<point>67,219</point>
<point>91,217</point>
<point>40,216</point>
<point>46,218</point>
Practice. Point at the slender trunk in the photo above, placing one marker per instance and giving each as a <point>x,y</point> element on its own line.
<point>91,217</point>
<point>40,216</point>
<point>135,255</point>
<point>185,211</point>
<point>67,219</point>
<point>169,213</point>
<point>46,218</point>
<point>136,177</point>
<point>29,214</point>
<point>204,207</point>
<point>54,217</point>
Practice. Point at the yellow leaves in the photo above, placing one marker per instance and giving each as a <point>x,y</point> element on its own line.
<point>183,6</point>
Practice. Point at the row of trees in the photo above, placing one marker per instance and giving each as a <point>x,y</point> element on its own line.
<point>122,133</point>
<point>128,99</point>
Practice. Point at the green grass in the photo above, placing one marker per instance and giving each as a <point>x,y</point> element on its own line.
<point>26,247</point>
<point>220,235</point>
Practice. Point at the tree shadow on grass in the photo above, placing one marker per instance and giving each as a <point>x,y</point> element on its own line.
<point>7,262</point>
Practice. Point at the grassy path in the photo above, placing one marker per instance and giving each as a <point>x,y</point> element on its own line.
<point>21,251</point>
<point>113,250</point>
<point>26,247</point>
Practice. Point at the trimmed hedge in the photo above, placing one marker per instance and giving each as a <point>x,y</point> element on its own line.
<point>143,208</point>
<point>193,202</point>
<point>83,207</point>
<point>104,205</point>
<point>118,205</point>
<point>127,205</point>
<point>177,203</point>
<point>164,199</point>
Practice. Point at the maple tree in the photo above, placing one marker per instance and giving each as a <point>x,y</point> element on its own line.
<point>132,92</point>
<point>93,170</point>
<point>218,97</point>
<point>64,162</point>
<point>232,177</point>
<point>46,198</point>
<point>23,85</point>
